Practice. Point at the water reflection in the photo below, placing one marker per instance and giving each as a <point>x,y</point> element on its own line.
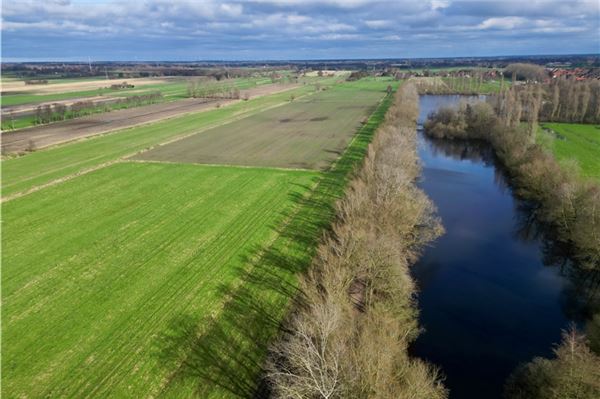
<point>496,289</point>
<point>582,296</point>
<point>461,150</point>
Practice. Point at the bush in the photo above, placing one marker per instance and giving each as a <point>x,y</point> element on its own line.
<point>573,373</point>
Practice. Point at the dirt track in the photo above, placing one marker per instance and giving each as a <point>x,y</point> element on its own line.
<point>55,133</point>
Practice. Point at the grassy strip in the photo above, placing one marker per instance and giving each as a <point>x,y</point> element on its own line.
<point>472,86</point>
<point>29,98</point>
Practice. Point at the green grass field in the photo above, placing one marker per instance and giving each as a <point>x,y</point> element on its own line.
<point>308,133</point>
<point>571,141</point>
<point>95,269</point>
<point>157,279</point>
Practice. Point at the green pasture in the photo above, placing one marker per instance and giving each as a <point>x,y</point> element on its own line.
<point>573,141</point>
<point>95,270</point>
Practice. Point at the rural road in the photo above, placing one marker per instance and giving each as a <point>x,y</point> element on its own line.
<point>59,132</point>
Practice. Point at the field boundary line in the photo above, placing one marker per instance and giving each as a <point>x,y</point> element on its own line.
<point>224,165</point>
<point>129,155</point>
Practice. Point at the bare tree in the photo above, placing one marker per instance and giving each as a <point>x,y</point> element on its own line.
<point>349,337</point>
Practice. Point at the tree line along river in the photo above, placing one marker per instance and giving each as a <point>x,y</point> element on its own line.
<point>489,297</point>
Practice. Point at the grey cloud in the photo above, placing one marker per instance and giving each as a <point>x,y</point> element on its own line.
<point>258,29</point>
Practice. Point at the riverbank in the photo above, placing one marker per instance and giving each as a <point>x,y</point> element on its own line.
<point>560,209</point>
<point>348,337</point>
<point>562,199</point>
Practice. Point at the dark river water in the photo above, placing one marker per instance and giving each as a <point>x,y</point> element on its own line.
<point>487,300</point>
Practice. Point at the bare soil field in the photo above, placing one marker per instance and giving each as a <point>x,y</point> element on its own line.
<point>21,87</point>
<point>309,133</point>
<point>55,133</point>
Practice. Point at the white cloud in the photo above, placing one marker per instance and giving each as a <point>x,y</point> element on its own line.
<point>439,4</point>
<point>502,23</point>
<point>234,10</point>
<point>378,23</point>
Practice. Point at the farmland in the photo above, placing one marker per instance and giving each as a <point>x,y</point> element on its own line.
<point>577,142</point>
<point>308,133</point>
<point>45,135</point>
<point>126,249</point>
<point>42,167</point>
<point>63,92</point>
<point>168,278</point>
<point>168,87</point>
<point>18,108</point>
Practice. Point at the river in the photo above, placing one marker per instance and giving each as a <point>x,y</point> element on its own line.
<point>488,302</point>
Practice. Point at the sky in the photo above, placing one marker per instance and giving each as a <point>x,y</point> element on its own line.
<point>196,30</point>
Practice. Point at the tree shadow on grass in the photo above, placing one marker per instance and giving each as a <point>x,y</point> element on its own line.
<point>226,353</point>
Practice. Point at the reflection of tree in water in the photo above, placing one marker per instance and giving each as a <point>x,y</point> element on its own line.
<point>462,150</point>
<point>581,298</point>
<point>471,150</point>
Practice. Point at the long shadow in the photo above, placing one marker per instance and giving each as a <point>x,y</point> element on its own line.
<point>226,353</point>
